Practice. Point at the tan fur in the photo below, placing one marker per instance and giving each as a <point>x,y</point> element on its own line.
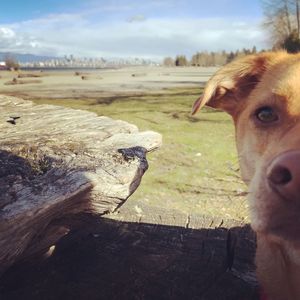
<point>240,88</point>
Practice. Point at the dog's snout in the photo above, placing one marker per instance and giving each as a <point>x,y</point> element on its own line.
<point>284,175</point>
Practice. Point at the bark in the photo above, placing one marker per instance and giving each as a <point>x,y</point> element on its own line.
<point>298,18</point>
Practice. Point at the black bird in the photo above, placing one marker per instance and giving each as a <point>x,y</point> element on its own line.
<point>13,120</point>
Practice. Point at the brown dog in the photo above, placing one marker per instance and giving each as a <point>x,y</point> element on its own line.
<point>262,94</point>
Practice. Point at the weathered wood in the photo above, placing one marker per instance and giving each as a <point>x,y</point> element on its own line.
<point>56,162</point>
<point>149,258</point>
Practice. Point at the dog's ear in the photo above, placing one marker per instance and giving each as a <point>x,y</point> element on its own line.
<point>233,82</point>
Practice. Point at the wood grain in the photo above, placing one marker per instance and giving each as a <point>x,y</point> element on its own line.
<point>57,162</point>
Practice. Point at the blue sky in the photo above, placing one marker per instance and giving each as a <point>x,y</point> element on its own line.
<point>152,28</point>
<point>21,10</point>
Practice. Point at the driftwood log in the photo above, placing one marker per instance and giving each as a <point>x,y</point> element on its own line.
<point>56,163</point>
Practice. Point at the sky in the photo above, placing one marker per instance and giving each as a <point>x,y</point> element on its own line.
<point>133,28</point>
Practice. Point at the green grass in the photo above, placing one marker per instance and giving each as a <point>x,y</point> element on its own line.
<point>195,171</point>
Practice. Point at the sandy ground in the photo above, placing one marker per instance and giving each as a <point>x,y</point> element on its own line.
<point>65,84</point>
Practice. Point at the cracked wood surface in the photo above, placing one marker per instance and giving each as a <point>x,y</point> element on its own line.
<point>57,162</point>
<point>156,254</point>
<point>222,249</point>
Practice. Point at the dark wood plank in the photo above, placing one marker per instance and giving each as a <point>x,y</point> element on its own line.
<point>113,259</point>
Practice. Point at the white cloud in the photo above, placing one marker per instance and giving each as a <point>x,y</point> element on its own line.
<point>137,18</point>
<point>76,34</point>
<point>12,41</point>
<point>6,33</point>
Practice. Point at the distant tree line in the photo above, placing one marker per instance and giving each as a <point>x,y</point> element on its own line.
<point>208,59</point>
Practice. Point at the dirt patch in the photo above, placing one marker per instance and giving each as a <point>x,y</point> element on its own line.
<point>16,81</point>
<point>28,75</point>
<point>138,74</point>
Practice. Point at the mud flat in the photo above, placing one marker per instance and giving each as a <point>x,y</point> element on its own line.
<point>91,84</point>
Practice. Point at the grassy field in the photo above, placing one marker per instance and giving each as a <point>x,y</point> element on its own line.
<point>196,170</point>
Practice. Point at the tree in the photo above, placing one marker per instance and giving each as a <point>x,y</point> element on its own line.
<point>181,61</point>
<point>220,58</point>
<point>254,50</point>
<point>196,59</point>
<point>230,57</point>
<point>292,43</point>
<point>168,62</point>
<point>298,18</point>
<point>11,63</point>
<point>282,19</point>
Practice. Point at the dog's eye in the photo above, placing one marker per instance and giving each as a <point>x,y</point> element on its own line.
<point>266,114</point>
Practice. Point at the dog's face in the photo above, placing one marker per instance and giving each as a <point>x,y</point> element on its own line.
<point>268,141</point>
<point>262,94</point>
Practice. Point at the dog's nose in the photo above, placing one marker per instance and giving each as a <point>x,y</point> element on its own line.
<point>284,175</point>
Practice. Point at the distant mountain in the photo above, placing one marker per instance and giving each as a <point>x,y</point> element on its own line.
<point>26,58</point>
